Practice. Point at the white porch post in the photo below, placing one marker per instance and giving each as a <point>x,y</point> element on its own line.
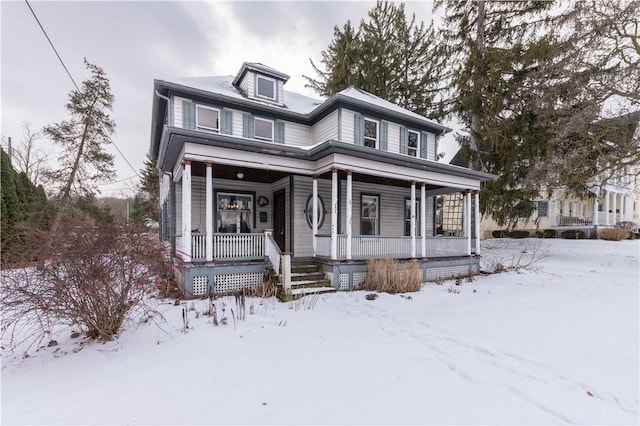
<point>186,210</point>
<point>477,221</point>
<point>595,211</point>
<point>467,220</point>
<point>314,217</point>
<point>349,212</point>
<point>209,213</point>
<point>552,209</point>
<point>334,214</point>
<point>606,208</point>
<point>413,219</point>
<point>613,209</point>
<point>625,212</point>
<point>423,219</point>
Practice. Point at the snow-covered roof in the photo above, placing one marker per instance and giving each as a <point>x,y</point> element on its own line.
<point>223,85</point>
<point>373,100</point>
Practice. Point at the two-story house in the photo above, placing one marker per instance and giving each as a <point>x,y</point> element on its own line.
<point>254,177</point>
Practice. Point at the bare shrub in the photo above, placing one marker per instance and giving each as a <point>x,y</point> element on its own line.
<point>386,276</point>
<point>614,234</point>
<point>94,277</point>
<point>526,259</point>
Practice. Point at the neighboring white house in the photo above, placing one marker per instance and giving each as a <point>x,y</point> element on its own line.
<point>254,177</point>
<point>612,198</point>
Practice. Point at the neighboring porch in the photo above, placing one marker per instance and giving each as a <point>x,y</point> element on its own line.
<point>612,207</point>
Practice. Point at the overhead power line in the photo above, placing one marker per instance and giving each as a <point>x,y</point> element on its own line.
<point>76,86</point>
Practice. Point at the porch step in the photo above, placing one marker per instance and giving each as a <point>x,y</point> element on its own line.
<point>303,276</point>
<point>306,278</point>
<point>300,292</point>
<point>310,283</point>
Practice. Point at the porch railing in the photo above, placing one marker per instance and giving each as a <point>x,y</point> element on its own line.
<point>574,221</point>
<point>238,246</point>
<point>272,251</point>
<point>198,246</point>
<point>377,246</point>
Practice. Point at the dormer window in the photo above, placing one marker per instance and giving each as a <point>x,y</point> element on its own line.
<point>370,133</point>
<point>207,119</point>
<point>263,129</point>
<point>265,87</point>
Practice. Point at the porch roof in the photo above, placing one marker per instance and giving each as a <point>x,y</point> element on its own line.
<point>174,139</point>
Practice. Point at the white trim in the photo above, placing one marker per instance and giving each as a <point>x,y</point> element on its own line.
<point>349,214</point>
<point>275,87</point>
<point>364,138</point>
<point>412,217</point>
<point>334,214</point>
<point>209,213</point>
<point>314,217</point>
<point>262,138</point>
<point>205,128</point>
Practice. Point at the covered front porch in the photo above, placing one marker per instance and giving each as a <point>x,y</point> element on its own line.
<point>608,208</point>
<point>234,215</point>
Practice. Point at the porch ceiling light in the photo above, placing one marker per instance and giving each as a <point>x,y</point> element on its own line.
<point>240,175</point>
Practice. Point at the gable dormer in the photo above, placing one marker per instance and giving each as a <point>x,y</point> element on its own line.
<point>260,82</point>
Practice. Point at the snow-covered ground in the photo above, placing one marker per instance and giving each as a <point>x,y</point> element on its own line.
<point>556,345</point>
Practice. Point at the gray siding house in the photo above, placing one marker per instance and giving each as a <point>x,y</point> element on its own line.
<point>255,177</point>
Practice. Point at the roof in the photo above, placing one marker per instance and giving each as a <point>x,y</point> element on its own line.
<point>260,68</point>
<point>619,130</point>
<point>224,85</point>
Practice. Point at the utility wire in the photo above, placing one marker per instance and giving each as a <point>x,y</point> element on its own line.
<point>76,86</point>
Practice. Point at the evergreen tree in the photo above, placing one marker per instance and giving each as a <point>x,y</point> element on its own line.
<point>389,55</point>
<point>84,163</point>
<point>146,201</point>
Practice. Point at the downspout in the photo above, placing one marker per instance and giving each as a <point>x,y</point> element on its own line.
<point>169,104</point>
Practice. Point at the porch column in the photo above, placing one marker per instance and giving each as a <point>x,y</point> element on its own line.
<point>349,212</point>
<point>625,213</point>
<point>423,219</point>
<point>615,219</point>
<point>186,209</point>
<point>467,220</point>
<point>552,209</point>
<point>314,216</point>
<point>595,211</point>
<point>606,208</point>
<point>412,218</point>
<point>209,213</point>
<point>477,221</point>
<point>334,214</point>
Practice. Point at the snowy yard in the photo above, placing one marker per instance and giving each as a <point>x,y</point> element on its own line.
<point>555,345</point>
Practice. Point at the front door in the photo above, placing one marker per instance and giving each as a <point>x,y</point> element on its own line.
<point>279,221</point>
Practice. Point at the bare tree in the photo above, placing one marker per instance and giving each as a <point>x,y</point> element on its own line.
<point>27,157</point>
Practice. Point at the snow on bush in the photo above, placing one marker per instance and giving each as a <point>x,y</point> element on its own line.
<point>94,278</point>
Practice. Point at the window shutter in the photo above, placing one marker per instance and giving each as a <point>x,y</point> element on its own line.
<point>188,115</point>
<point>358,129</point>
<point>404,140</point>
<point>226,122</point>
<point>248,126</point>
<point>384,135</point>
<point>424,138</point>
<point>279,131</point>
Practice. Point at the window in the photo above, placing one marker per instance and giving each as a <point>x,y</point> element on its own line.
<point>235,212</point>
<point>369,220</point>
<point>266,87</point>
<point>308,210</point>
<point>263,129</point>
<point>207,119</point>
<point>543,208</point>
<point>412,145</point>
<point>370,133</point>
<point>407,217</point>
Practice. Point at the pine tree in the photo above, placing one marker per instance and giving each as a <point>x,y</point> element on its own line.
<point>84,163</point>
<point>146,201</point>
<point>389,56</point>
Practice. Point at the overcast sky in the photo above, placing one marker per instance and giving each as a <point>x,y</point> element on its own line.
<point>136,42</point>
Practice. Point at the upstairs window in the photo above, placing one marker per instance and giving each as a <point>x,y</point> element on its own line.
<point>370,133</point>
<point>412,143</point>
<point>263,129</point>
<point>265,87</point>
<point>207,119</point>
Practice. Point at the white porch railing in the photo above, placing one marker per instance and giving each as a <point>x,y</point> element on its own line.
<point>272,251</point>
<point>238,246</point>
<point>376,246</point>
<point>574,221</point>
<point>446,246</point>
<point>198,246</point>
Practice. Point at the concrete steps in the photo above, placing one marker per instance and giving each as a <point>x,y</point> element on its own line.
<point>306,279</point>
